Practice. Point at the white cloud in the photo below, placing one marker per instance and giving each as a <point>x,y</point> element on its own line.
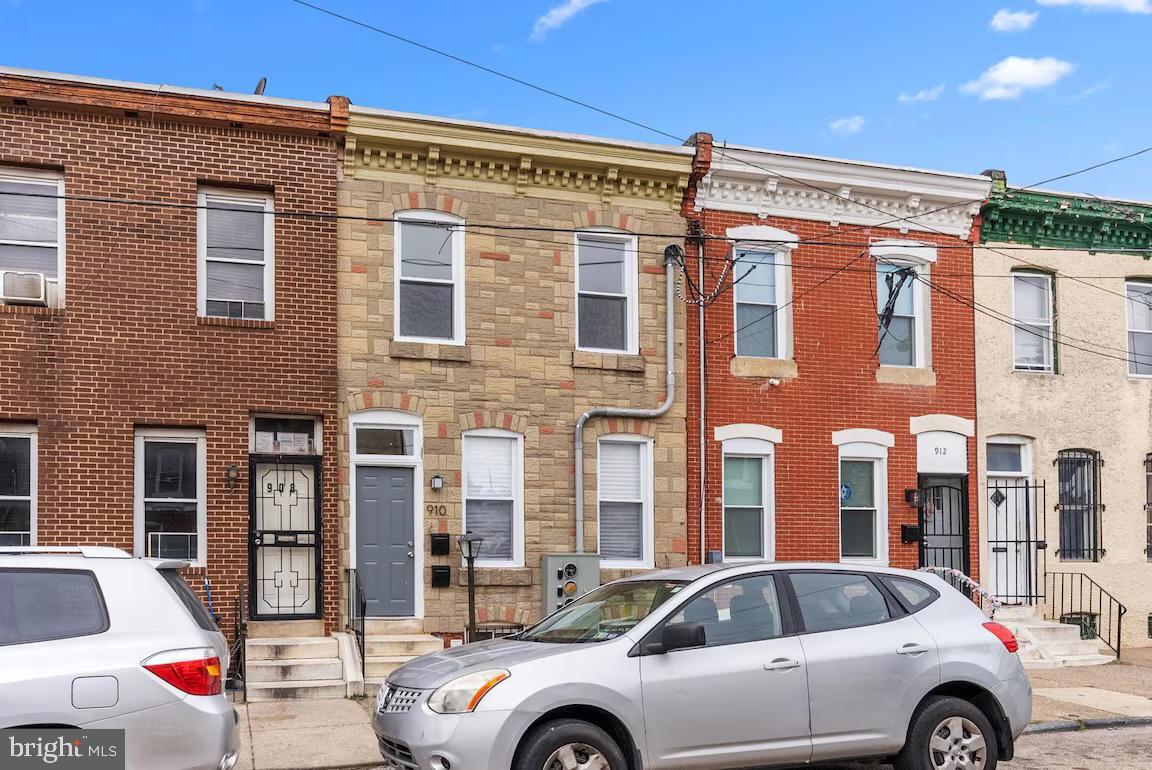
<point>923,95</point>
<point>1013,76</point>
<point>1127,6</point>
<point>1013,21</point>
<point>1094,89</point>
<point>558,16</point>
<point>847,126</point>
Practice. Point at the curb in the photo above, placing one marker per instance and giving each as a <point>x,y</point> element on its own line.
<point>1086,724</point>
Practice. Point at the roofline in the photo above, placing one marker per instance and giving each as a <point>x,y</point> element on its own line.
<point>1078,196</point>
<point>163,88</point>
<point>719,149</point>
<point>676,149</point>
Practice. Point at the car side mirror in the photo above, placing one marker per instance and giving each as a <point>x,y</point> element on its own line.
<point>682,636</point>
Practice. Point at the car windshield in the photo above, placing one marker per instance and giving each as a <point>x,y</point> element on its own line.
<point>605,613</point>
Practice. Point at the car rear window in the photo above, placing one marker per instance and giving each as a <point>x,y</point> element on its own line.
<point>38,605</point>
<point>913,594</point>
<point>189,600</point>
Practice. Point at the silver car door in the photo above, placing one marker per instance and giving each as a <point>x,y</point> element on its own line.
<point>868,664</point>
<point>740,700</point>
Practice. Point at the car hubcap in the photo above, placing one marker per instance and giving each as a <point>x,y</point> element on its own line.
<point>576,756</point>
<point>957,744</point>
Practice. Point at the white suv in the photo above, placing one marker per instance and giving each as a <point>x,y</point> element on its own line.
<point>92,638</point>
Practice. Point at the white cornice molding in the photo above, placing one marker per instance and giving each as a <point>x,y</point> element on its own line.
<point>941,422</point>
<point>778,184</point>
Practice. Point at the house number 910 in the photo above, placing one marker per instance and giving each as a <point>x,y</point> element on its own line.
<point>437,510</point>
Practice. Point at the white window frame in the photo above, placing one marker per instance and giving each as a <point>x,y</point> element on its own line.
<point>865,444</point>
<point>647,491</point>
<point>458,302</point>
<point>1128,324</point>
<point>31,176</point>
<point>317,429</point>
<point>779,258</point>
<point>216,195</point>
<point>391,418</point>
<point>517,559</point>
<point>29,432</point>
<point>173,436</point>
<point>763,239</point>
<point>1025,445</point>
<point>1050,324</point>
<point>757,442</point>
<point>631,282</point>
<point>920,257</point>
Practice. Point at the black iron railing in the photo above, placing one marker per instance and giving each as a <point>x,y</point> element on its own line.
<point>357,607</point>
<point>238,664</point>
<point>1077,599</point>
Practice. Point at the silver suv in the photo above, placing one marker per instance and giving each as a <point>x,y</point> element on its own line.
<point>722,667</point>
<point>92,638</point>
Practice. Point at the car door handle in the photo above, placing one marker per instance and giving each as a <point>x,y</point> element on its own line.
<point>781,664</point>
<point>912,648</point>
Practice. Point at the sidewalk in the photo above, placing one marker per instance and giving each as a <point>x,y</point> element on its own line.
<point>307,734</point>
<point>1094,692</point>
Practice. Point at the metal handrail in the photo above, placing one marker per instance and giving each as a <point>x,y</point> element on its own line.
<point>980,596</point>
<point>239,662</point>
<point>357,608</point>
<point>1077,599</point>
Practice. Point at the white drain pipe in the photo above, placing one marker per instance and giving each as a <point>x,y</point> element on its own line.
<point>672,255</point>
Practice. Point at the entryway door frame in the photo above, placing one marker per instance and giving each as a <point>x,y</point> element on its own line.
<point>390,418</point>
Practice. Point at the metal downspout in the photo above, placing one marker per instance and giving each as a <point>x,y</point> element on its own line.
<point>703,404</point>
<point>671,256</point>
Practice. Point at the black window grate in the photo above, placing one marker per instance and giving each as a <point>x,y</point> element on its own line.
<point>1080,507</point>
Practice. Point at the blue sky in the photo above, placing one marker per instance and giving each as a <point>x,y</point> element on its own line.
<point>1045,87</point>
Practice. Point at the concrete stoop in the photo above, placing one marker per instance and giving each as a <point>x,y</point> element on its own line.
<point>1049,644</point>
<point>283,667</point>
<point>384,653</point>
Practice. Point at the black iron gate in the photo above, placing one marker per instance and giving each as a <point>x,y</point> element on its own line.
<point>284,554</point>
<point>944,530</point>
<point>1017,546</point>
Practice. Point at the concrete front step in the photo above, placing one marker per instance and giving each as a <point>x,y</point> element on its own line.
<point>315,689</point>
<point>295,670</point>
<point>283,648</point>
<point>273,629</point>
<point>385,626</point>
<point>399,645</point>
<point>380,666</point>
<point>1052,632</point>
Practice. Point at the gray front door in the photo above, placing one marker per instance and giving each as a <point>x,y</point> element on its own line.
<point>385,542</point>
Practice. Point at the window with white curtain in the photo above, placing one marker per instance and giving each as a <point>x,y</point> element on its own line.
<point>237,278</point>
<point>493,494</point>
<point>1032,312</point>
<point>429,277</point>
<point>625,501</point>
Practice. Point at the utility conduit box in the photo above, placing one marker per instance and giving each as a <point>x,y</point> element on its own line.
<point>567,577</point>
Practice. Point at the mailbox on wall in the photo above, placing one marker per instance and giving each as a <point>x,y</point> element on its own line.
<point>567,577</point>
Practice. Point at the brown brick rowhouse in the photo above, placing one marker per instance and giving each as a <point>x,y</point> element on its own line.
<point>177,376</point>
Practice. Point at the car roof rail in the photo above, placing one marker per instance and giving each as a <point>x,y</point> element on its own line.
<point>87,551</point>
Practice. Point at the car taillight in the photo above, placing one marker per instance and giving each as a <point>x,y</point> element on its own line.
<point>196,672</point>
<point>1004,635</point>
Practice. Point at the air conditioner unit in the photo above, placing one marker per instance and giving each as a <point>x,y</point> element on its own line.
<point>23,288</point>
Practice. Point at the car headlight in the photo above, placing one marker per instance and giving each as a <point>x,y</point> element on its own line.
<point>463,694</point>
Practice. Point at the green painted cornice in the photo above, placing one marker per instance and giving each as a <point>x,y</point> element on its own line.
<point>1065,221</point>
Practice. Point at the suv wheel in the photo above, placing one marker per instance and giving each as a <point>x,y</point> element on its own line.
<point>949,734</point>
<point>570,744</point>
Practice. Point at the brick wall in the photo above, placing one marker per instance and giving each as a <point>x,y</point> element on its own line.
<point>835,338</point>
<point>128,351</point>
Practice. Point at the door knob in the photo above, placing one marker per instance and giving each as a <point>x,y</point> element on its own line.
<point>411,555</point>
<point>410,544</point>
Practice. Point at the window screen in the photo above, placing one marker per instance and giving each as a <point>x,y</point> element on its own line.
<point>29,226</point>
<point>427,281</point>
<point>40,605</point>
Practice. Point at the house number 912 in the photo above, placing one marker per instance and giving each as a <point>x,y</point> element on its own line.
<point>941,450</point>
<point>437,510</point>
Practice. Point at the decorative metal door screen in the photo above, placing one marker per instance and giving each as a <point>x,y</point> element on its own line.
<point>944,523</point>
<point>1016,542</point>
<point>284,537</point>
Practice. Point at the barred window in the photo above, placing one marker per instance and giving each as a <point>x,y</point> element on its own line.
<point>1080,505</point>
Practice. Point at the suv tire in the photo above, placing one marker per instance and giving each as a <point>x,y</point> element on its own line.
<point>543,747</point>
<point>946,728</point>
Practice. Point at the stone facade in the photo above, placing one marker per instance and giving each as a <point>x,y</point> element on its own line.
<point>1088,250</point>
<point>518,369</point>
